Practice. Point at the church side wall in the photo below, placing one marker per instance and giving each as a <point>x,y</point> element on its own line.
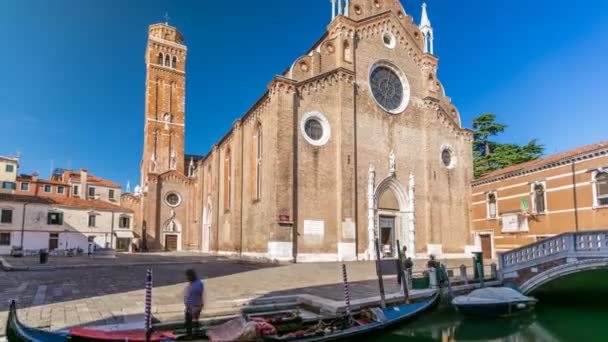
<point>259,214</point>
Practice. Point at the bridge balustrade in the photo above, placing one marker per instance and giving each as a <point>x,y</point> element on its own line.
<point>588,244</point>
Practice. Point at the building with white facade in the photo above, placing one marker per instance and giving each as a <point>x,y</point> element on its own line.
<point>8,174</point>
<point>62,223</point>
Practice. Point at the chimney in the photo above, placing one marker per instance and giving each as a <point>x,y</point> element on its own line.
<point>83,183</point>
<point>35,176</point>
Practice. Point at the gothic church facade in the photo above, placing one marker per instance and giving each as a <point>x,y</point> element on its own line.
<point>355,143</point>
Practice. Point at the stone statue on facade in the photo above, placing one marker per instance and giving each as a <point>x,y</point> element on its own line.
<point>153,162</point>
<point>172,163</point>
<point>391,162</point>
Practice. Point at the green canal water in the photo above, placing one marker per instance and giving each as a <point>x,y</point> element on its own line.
<point>573,308</point>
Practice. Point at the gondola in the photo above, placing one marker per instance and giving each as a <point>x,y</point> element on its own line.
<point>18,332</point>
<point>365,322</point>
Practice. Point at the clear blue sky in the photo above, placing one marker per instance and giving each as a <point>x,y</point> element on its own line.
<point>72,87</point>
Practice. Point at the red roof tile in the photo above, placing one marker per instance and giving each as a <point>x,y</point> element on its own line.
<point>547,160</point>
<point>64,201</point>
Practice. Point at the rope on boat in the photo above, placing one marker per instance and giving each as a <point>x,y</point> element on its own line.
<point>148,310</point>
<point>346,292</point>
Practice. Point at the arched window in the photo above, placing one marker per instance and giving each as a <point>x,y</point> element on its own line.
<point>174,62</point>
<point>256,162</point>
<point>492,205</point>
<point>347,52</point>
<point>601,188</point>
<point>227,178</point>
<point>167,61</point>
<point>160,58</point>
<point>209,179</point>
<point>538,193</point>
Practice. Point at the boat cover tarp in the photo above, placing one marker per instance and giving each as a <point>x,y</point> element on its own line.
<point>132,335</point>
<point>238,329</point>
<point>491,295</point>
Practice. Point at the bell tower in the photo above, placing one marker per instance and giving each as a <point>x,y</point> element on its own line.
<point>164,126</point>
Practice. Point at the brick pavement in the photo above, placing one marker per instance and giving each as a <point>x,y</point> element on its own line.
<point>107,295</point>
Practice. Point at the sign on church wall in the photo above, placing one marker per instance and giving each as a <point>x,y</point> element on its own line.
<point>316,228</point>
<point>348,229</point>
<point>513,223</point>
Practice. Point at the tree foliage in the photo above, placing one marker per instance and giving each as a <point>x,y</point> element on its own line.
<point>489,155</point>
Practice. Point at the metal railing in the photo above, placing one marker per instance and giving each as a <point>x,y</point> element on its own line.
<point>567,245</point>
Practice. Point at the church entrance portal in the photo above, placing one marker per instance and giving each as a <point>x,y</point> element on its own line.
<point>171,242</point>
<point>387,236</point>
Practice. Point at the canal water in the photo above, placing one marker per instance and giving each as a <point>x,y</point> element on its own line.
<point>574,308</point>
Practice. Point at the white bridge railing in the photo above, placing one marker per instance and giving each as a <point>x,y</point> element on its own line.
<point>588,244</point>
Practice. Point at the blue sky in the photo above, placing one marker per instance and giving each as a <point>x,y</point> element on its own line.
<point>73,73</point>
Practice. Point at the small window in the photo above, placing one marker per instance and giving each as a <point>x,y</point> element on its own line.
<point>9,185</point>
<point>314,129</point>
<point>174,62</point>
<point>173,199</point>
<point>446,158</point>
<point>47,188</point>
<point>227,178</point>
<point>91,192</point>
<point>111,194</point>
<point>491,205</point>
<point>7,216</point>
<point>160,58</point>
<point>167,61</point>
<point>92,220</point>
<point>538,195</point>
<point>10,168</point>
<point>55,219</point>
<point>601,183</point>
<point>25,186</point>
<point>124,222</point>
<point>60,189</point>
<point>76,190</point>
<point>389,40</point>
<point>5,239</point>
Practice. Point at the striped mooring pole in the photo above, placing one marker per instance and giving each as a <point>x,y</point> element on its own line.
<point>148,310</point>
<point>346,292</point>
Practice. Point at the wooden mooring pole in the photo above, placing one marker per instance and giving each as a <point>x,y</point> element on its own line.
<point>401,274</point>
<point>379,273</point>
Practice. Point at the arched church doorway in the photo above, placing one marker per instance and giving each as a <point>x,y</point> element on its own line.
<point>206,235</point>
<point>392,218</point>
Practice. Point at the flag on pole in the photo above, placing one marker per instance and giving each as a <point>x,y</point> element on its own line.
<point>524,204</point>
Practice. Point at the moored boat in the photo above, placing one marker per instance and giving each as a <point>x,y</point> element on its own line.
<point>365,322</point>
<point>494,302</point>
<point>18,332</point>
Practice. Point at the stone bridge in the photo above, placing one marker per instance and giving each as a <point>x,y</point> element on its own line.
<point>534,265</point>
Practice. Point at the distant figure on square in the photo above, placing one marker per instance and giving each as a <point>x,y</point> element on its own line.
<point>193,300</point>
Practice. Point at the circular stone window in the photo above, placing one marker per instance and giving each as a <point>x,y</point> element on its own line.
<point>389,87</point>
<point>447,157</point>
<point>315,128</point>
<point>173,199</point>
<point>389,40</point>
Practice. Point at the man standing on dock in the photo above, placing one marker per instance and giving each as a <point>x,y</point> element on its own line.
<point>193,300</point>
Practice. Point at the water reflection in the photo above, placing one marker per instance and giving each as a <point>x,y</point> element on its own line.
<point>447,325</point>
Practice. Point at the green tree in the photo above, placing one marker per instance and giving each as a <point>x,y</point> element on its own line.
<point>489,155</point>
<point>485,127</point>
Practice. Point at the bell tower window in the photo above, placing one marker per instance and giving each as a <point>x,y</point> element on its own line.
<point>160,59</point>
<point>167,61</point>
<point>174,62</point>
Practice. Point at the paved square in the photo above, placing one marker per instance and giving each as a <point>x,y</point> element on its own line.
<point>109,294</point>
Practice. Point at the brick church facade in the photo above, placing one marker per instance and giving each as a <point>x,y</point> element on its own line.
<point>356,141</point>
